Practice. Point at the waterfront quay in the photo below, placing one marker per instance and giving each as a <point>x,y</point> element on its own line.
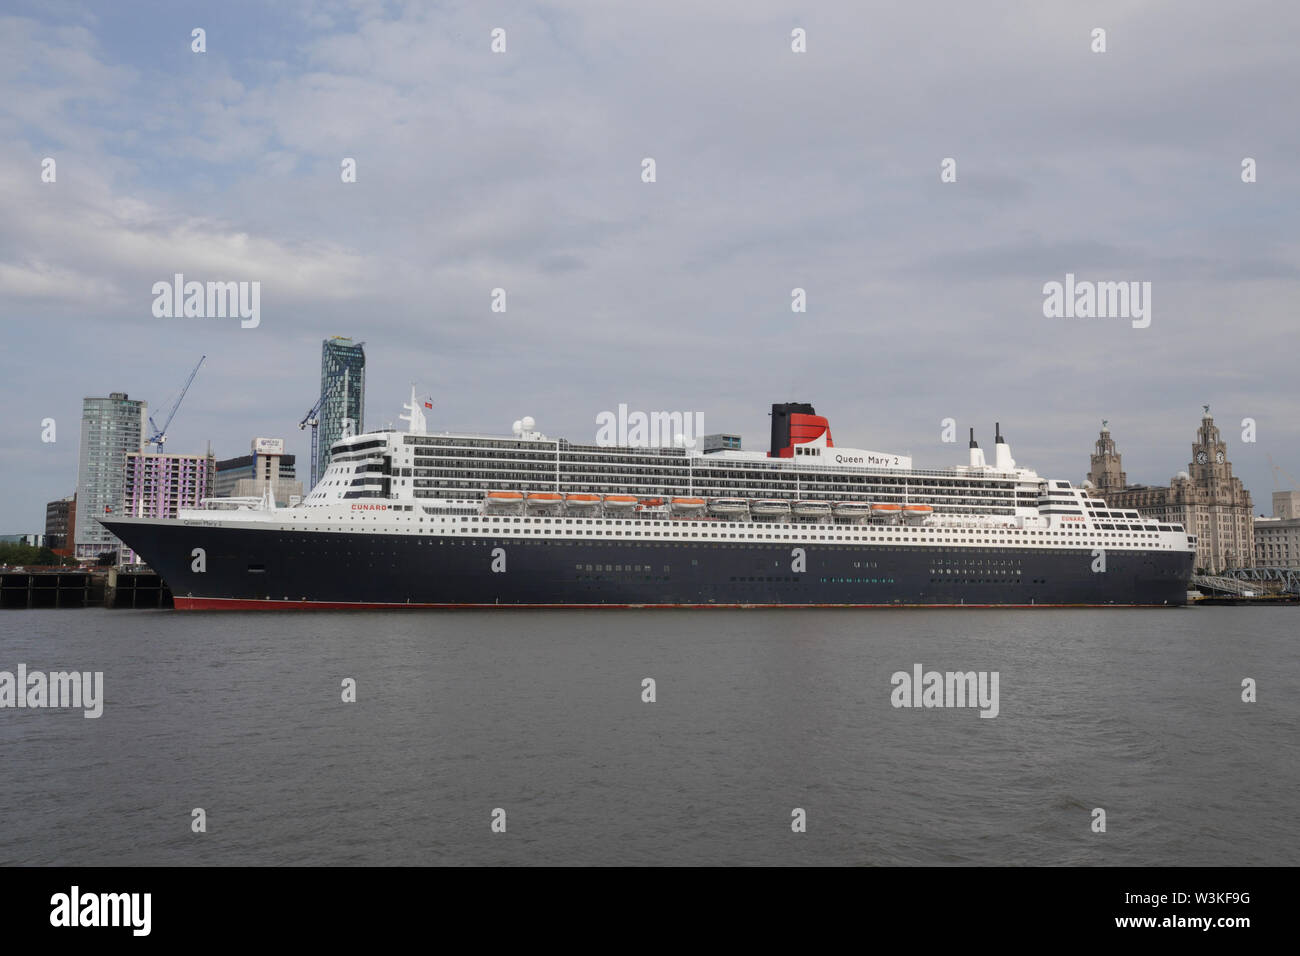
<point>67,588</point>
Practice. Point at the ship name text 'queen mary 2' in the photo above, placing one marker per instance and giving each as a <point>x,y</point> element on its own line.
<point>410,519</point>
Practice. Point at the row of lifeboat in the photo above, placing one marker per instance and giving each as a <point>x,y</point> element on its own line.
<point>539,501</point>
<point>549,502</point>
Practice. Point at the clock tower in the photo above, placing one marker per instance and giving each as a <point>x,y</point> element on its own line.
<point>1107,472</point>
<point>1219,507</point>
<point>1206,500</point>
<point>1210,467</point>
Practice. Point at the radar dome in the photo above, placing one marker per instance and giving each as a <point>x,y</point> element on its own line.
<point>529,423</point>
<point>517,427</point>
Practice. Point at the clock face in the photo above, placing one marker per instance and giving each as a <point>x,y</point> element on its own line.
<point>1202,457</point>
<point>1219,458</point>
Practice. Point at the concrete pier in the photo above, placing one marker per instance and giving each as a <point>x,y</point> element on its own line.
<point>50,589</point>
<point>136,589</point>
<point>55,588</point>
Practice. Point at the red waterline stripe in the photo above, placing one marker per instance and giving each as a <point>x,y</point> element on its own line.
<point>243,604</point>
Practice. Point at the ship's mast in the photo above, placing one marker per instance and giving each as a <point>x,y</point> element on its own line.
<point>415,418</point>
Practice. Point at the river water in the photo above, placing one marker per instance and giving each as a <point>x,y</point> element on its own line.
<point>757,714</point>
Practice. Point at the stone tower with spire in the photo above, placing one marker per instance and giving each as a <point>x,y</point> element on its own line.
<point>1207,500</point>
<point>1107,473</point>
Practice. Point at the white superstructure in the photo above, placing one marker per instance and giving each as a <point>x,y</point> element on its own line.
<point>417,483</point>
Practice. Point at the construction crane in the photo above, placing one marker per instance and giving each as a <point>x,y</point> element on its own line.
<point>312,418</point>
<point>1278,468</point>
<point>159,436</point>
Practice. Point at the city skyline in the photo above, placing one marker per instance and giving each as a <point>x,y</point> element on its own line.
<point>1261,498</point>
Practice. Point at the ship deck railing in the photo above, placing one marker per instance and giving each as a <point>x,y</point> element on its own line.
<point>234,504</point>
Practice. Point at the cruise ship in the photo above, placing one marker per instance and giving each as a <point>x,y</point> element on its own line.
<point>418,519</point>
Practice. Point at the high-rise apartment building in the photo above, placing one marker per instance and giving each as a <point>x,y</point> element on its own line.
<point>111,429</point>
<point>159,485</point>
<point>343,394</point>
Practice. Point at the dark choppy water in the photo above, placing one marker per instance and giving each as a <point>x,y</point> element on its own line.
<point>758,712</point>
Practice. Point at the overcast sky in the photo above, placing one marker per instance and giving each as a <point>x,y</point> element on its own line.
<point>523,170</point>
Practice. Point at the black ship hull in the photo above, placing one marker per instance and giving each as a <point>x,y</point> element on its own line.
<point>242,568</point>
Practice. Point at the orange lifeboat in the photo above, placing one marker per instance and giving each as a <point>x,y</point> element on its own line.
<point>544,502</point>
<point>886,509</point>
<point>620,501</point>
<point>509,501</point>
<point>582,499</point>
<point>688,505</point>
<point>921,510</point>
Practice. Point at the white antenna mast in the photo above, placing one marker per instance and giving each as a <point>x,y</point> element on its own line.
<point>416,416</point>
